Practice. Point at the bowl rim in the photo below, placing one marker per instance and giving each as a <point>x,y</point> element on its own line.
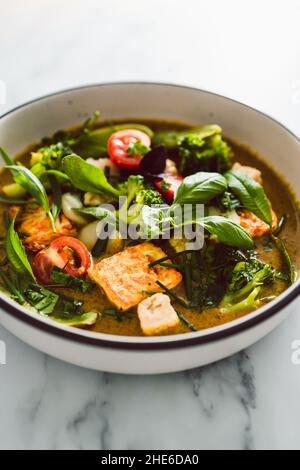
<point>205,336</point>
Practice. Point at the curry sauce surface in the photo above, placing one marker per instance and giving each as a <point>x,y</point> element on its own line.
<point>283,202</point>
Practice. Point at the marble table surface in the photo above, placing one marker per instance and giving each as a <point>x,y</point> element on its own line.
<point>247,50</point>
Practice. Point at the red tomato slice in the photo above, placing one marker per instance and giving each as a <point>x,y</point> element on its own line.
<point>167,185</point>
<point>67,253</point>
<point>118,144</point>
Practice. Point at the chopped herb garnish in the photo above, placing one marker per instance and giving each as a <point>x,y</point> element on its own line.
<point>42,299</point>
<point>137,148</point>
<point>280,226</point>
<point>186,322</point>
<point>282,275</point>
<point>164,185</point>
<point>173,295</point>
<point>11,287</point>
<point>66,280</point>
<point>72,307</point>
<point>229,201</point>
<point>112,312</point>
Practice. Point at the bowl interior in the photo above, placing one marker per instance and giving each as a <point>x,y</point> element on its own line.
<point>43,117</point>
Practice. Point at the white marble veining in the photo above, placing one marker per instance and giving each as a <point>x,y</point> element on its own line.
<point>247,50</point>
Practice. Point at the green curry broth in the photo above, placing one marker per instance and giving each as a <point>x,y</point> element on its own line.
<point>283,202</point>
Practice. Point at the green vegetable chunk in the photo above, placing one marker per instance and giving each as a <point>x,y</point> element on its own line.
<point>85,319</point>
<point>247,279</point>
<point>200,149</point>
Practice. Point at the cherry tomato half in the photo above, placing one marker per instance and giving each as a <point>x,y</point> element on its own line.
<point>167,185</point>
<point>67,253</point>
<point>120,142</point>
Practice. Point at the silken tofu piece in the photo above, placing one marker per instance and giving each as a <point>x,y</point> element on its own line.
<point>157,315</point>
<point>126,276</point>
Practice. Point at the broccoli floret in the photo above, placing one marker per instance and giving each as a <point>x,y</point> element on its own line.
<point>51,156</point>
<point>247,279</point>
<point>200,149</point>
<point>211,154</point>
<point>149,197</point>
<point>131,187</point>
<point>139,193</point>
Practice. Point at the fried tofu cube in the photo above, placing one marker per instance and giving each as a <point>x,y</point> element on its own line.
<point>126,276</point>
<point>255,226</point>
<point>34,226</point>
<point>157,315</point>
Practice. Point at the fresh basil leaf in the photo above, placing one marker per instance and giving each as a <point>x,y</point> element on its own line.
<point>94,143</point>
<point>58,174</point>
<point>100,213</point>
<point>15,251</point>
<point>200,187</point>
<point>7,159</point>
<point>33,186</point>
<point>251,194</point>
<point>228,232</point>
<point>57,195</point>
<point>87,177</point>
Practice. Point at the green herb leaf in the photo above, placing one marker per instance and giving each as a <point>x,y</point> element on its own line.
<point>251,194</point>
<point>281,224</point>
<point>57,195</point>
<point>32,184</point>
<point>228,232</point>
<point>16,252</point>
<point>11,287</point>
<point>66,280</point>
<point>7,159</point>
<point>186,322</point>
<point>87,177</point>
<point>72,307</point>
<point>137,148</point>
<point>112,312</point>
<point>172,139</point>
<point>200,187</point>
<point>9,200</point>
<point>286,257</point>
<point>282,276</point>
<point>59,174</point>
<point>100,213</point>
<point>94,143</point>
<point>43,300</point>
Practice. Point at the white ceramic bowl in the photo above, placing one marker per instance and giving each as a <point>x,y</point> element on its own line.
<point>136,355</point>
